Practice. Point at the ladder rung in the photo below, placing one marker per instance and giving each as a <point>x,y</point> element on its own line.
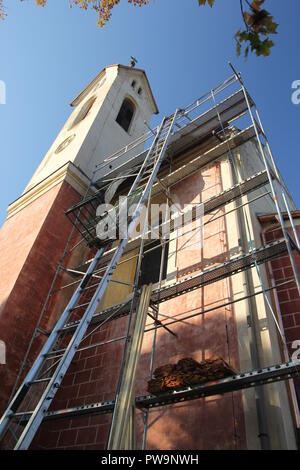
<point>23,413</point>
<point>81,305</point>
<point>54,352</point>
<point>46,379</point>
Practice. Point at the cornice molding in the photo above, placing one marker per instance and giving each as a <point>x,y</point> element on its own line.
<point>68,172</point>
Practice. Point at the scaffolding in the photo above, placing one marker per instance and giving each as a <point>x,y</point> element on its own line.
<point>140,177</point>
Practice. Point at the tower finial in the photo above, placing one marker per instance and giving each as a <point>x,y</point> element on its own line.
<point>133,62</point>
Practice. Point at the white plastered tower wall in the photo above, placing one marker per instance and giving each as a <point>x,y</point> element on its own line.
<point>87,142</point>
<point>278,412</point>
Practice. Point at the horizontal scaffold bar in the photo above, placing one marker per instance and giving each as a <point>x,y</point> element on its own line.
<point>225,197</point>
<point>217,273</point>
<point>242,381</point>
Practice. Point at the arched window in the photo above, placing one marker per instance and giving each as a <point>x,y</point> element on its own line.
<point>125,115</point>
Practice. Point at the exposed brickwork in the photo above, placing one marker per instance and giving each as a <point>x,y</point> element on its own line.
<point>288,295</point>
<point>216,422</point>
<point>87,433</point>
<point>31,244</point>
<point>179,427</point>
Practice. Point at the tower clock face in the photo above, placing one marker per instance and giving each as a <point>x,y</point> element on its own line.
<point>65,143</point>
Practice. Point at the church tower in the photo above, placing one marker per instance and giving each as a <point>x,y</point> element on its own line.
<point>112,111</point>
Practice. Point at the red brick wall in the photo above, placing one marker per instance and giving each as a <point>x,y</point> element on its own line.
<point>288,296</point>
<point>31,244</point>
<point>217,422</point>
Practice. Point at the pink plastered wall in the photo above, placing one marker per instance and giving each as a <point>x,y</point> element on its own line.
<point>212,423</point>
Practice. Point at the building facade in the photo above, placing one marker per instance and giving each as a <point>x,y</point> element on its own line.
<point>211,162</point>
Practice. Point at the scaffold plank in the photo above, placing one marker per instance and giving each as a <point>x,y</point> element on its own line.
<point>217,273</point>
<point>241,381</point>
<point>197,129</point>
<point>205,158</point>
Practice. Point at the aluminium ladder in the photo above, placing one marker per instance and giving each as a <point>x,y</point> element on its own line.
<point>34,397</point>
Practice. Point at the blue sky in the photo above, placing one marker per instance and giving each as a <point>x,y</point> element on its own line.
<point>49,54</point>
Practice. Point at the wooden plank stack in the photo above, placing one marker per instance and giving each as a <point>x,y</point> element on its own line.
<point>188,372</point>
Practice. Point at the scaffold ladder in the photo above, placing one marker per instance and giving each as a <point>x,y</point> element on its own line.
<point>34,397</point>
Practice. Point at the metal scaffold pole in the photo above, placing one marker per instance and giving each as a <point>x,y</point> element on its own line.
<point>45,396</point>
<point>144,177</point>
<point>279,179</point>
<point>274,194</point>
<point>156,323</point>
<point>59,269</point>
<point>128,337</point>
